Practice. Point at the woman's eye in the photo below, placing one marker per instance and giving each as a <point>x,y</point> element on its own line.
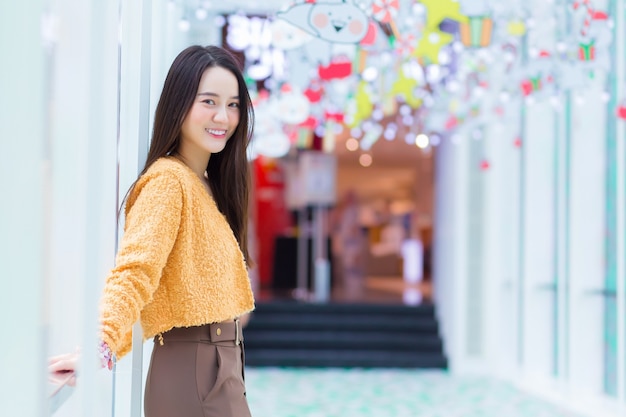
<point>208,101</point>
<point>234,104</point>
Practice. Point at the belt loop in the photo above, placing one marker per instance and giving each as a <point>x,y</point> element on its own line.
<point>237,331</point>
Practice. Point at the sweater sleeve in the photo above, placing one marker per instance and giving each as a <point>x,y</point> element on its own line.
<point>153,217</point>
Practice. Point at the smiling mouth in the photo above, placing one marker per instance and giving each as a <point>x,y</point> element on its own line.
<point>216,132</point>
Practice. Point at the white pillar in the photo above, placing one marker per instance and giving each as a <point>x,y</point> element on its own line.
<point>84,118</point>
<point>450,248</point>
<point>23,185</point>
<point>620,91</point>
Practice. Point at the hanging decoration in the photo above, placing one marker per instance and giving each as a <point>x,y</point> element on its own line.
<point>385,11</point>
<point>330,21</point>
<point>361,106</point>
<point>621,110</point>
<point>404,88</point>
<point>290,105</point>
<point>433,38</point>
<point>477,30</point>
<point>516,28</point>
<point>442,65</point>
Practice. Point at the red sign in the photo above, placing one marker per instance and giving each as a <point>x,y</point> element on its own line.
<point>271,214</point>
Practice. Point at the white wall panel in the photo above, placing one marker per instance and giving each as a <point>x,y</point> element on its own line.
<point>23,212</point>
<point>586,232</point>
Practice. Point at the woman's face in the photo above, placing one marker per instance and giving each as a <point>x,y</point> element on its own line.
<point>214,115</point>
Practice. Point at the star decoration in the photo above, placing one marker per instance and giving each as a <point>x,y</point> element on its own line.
<point>404,87</point>
<point>433,38</point>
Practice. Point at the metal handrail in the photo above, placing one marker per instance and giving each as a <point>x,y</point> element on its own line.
<point>60,394</point>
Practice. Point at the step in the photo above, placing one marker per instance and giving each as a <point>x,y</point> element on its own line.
<point>345,359</point>
<point>349,340</point>
<point>312,322</point>
<point>296,307</point>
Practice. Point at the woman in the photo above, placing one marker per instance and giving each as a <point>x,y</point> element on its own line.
<point>182,263</point>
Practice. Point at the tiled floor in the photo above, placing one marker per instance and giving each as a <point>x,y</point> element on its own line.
<point>276,392</point>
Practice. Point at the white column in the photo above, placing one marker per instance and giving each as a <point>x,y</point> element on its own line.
<point>135,115</point>
<point>450,249</point>
<point>620,90</point>
<point>501,243</point>
<point>23,219</point>
<point>83,210</point>
<point>538,250</point>
<point>586,260</point>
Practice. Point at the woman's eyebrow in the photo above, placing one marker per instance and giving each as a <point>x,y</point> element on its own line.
<point>208,93</point>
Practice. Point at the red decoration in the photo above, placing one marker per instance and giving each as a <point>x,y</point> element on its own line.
<point>527,87</point>
<point>621,111</point>
<point>370,36</point>
<point>340,68</point>
<point>313,94</point>
<point>484,165</point>
<point>600,15</point>
<point>452,122</point>
<point>517,143</point>
<point>334,116</point>
<point>309,123</point>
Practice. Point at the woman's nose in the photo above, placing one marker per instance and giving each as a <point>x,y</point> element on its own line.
<point>220,115</point>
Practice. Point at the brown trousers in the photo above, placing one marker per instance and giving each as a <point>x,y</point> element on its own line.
<point>197,372</point>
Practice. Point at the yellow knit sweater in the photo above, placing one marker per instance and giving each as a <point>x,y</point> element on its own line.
<point>179,263</point>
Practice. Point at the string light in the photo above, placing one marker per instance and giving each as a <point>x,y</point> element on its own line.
<point>352,144</point>
<point>422,141</point>
<point>356,132</point>
<point>201,14</point>
<point>370,74</point>
<point>365,160</point>
<point>184,25</point>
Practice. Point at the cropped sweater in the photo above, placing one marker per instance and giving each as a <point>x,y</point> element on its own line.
<point>178,264</point>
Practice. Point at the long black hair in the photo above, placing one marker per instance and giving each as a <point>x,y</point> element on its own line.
<point>228,170</point>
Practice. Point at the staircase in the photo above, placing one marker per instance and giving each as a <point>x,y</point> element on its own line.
<point>294,334</point>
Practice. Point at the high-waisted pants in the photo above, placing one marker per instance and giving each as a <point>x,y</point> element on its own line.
<point>197,372</point>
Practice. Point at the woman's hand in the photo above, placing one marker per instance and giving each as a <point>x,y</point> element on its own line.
<point>63,368</point>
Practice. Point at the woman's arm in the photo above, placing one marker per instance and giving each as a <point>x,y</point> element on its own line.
<point>152,224</point>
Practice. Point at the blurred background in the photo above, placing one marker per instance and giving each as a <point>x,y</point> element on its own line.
<point>438,207</point>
